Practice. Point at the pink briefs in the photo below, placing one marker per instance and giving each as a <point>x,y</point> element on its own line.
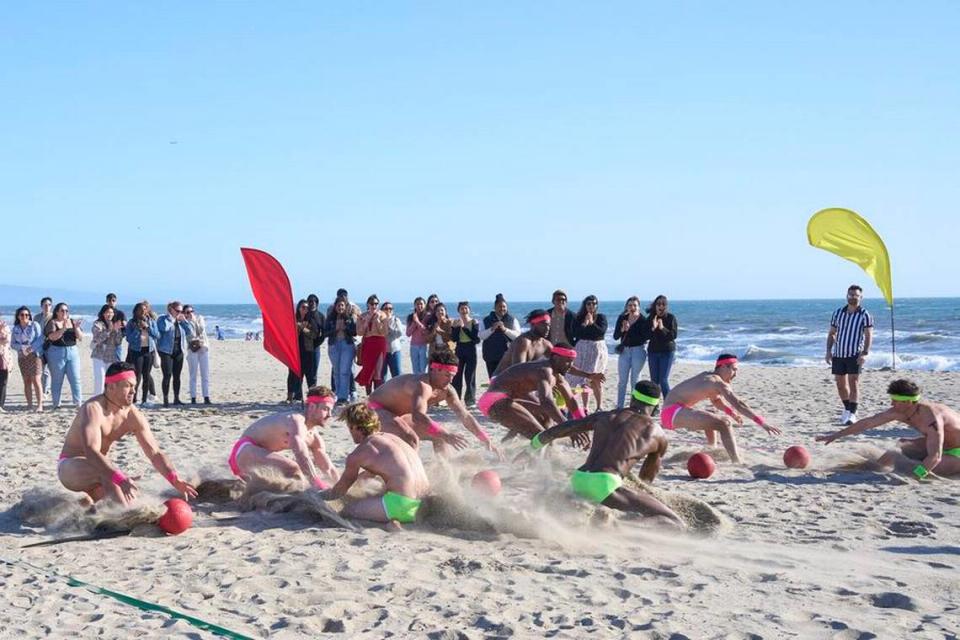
<point>374,405</point>
<point>237,446</point>
<point>60,460</point>
<point>488,399</point>
<point>668,414</point>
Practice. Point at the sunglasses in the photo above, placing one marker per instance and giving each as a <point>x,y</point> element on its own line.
<point>388,308</point>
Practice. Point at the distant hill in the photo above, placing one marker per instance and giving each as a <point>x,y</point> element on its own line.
<point>15,295</point>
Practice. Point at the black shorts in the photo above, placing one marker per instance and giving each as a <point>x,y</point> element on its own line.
<point>846,366</point>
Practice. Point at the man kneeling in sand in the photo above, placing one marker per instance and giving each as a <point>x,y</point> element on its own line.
<point>937,449</point>
<point>678,411</point>
<point>402,402</point>
<point>521,398</point>
<point>101,421</point>
<point>388,457</point>
<point>260,444</point>
<point>620,439</point>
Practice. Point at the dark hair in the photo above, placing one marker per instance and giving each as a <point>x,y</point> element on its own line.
<point>58,306</point>
<point>111,295</point>
<point>313,298</point>
<point>855,286</point>
<point>648,388</point>
<point>629,300</point>
<point>119,367</point>
<point>499,298</point>
<point>461,304</point>
<point>652,309</point>
<point>373,297</point>
<point>432,319</point>
<point>348,308</point>
<point>301,303</point>
<point>16,314</point>
<point>582,313</point>
<point>725,356</point>
<point>904,387</point>
<point>319,391</point>
<point>415,301</point>
<point>102,311</point>
<point>535,313</point>
<point>558,292</point>
<point>139,307</point>
<point>433,296</point>
<point>444,356</point>
<point>342,293</point>
<point>46,299</point>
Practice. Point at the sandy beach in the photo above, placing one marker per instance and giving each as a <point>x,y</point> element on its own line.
<point>825,552</point>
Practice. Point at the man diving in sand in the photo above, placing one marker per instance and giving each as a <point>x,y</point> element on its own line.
<point>101,421</point>
<point>402,402</point>
<point>388,457</point>
<point>715,386</point>
<point>938,447</point>
<point>521,398</point>
<point>261,442</point>
<point>620,439</point>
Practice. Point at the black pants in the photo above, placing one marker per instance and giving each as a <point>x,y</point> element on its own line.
<point>465,382</point>
<point>142,362</point>
<point>308,365</point>
<point>171,364</point>
<point>4,374</point>
<point>492,365</point>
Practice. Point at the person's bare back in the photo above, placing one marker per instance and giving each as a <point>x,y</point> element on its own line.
<point>395,462</point>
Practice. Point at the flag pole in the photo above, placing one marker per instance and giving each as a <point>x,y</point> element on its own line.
<point>893,338</point>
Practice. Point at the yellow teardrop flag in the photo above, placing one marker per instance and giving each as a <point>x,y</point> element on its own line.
<point>846,234</point>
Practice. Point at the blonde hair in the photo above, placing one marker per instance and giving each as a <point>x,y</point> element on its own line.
<point>362,417</point>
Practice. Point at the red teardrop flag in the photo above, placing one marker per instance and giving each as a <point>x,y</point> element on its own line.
<point>271,288</point>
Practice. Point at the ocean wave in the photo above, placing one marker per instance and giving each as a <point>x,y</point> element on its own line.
<point>754,353</point>
<point>925,337</point>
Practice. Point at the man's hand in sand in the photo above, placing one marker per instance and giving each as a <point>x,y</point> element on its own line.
<point>126,492</point>
<point>827,439</point>
<point>455,440</point>
<point>769,428</point>
<point>581,440</point>
<point>185,488</point>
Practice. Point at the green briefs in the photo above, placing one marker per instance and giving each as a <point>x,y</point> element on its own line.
<point>595,486</point>
<point>400,508</point>
<point>955,452</point>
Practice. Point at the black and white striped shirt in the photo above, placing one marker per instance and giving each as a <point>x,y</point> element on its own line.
<point>850,329</point>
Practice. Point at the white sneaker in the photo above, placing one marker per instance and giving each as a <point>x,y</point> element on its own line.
<point>851,419</point>
<point>844,416</point>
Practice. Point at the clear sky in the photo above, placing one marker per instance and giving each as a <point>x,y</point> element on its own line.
<point>474,148</point>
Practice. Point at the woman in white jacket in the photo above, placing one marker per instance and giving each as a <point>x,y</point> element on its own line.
<point>198,354</point>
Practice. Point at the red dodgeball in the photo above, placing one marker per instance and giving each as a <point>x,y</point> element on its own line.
<point>701,465</point>
<point>486,482</point>
<point>796,457</point>
<point>177,518</point>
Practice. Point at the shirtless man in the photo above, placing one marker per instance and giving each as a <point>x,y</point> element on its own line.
<point>101,421</point>
<point>620,439</point>
<point>260,444</point>
<point>402,402</point>
<point>521,398</point>
<point>533,345</point>
<point>678,411</point>
<point>384,455</point>
<point>937,448</point>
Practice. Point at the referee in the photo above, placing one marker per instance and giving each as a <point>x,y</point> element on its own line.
<point>848,344</point>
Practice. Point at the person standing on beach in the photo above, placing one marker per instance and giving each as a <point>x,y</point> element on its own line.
<point>100,422</point>
<point>715,386</point>
<point>341,329</point>
<point>118,317</point>
<point>440,330</point>
<point>63,333</point>
<point>499,330</point>
<point>402,404</point>
<point>45,316</point>
<point>631,331</point>
<point>417,332</point>
<point>522,397</point>
<point>372,327</point>
<point>938,447</point>
<point>198,358</point>
<point>313,304</point>
<point>309,334</point>
<point>172,345</point>
<point>261,443</point>
<point>589,334</point>
<point>394,335</point>
<point>107,335</point>
<point>5,359</point>
<point>562,319</point>
<point>26,337</point>
<point>142,334</point>
<point>355,313</point>
<point>620,439</point>
<point>388,457</point>
<point>848,345</point>
<point>662,347</point>
<point>466,335</point>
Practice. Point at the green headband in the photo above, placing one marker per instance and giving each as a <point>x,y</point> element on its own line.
<point>645,399</point>
<point>902,398</point>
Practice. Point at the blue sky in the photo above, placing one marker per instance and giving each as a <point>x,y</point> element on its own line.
<point>609,148</point>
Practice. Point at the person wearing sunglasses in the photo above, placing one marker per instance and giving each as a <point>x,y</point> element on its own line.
<point>63,334</point>
<point>395,333</point>
<point>372,327</point>
<point>589,332</point>
<point>198,358</point>
<point>26,338</point>
<point>172,345</point>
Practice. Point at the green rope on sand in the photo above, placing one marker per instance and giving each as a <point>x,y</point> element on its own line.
<point>140,604</point>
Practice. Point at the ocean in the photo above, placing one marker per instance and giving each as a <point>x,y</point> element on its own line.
<point>767,332</point>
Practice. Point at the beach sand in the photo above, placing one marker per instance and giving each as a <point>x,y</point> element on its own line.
<point>826,552</point>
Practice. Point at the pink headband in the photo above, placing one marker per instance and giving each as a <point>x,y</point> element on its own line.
<point>561,351</point>
<point>725,361</point>
<point>449,368</point>
<point>119,377</point>
<point>327,400</point>
<point>538,319</point>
